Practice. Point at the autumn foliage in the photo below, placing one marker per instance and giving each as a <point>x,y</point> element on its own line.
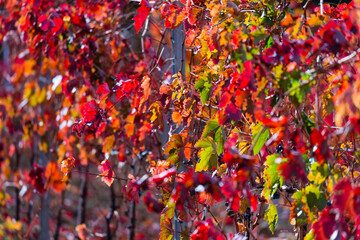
<point>99,136</point>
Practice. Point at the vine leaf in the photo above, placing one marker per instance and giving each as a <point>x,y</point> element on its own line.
<point>54,177</point>
<point>143,13</point>
<point>260,136</point>
<point>208,156</point>
<point>271,217</point>
<point>165,220</point>
<point>67,165</point>
<point>107,173</point>
<point>173,148</point>
<point>204,86</point>
<point>273,180</point>
<point>213,128</point>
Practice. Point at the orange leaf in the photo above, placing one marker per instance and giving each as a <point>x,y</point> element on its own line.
<point>54,177</point>
<point>29,67</point>
<point>187,151</point>
<point>82,232</point>
<point>145,85</point>
<point>176,117</point>
<point>129,128</point>
<point>67,165</point>
<point>288,20</point>
<point>173,15</point>
<point>193,14</point>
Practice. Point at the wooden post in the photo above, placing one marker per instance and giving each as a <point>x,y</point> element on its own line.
<point>178,65</point>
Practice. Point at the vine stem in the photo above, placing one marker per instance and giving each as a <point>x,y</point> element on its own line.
<point>99,175</point>
<point>212,215</point>
<point>249,230</point>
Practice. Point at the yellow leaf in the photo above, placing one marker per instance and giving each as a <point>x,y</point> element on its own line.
<point>42,96</point>
<point>156,114</point>
<point>317,20</point>
<point>108,143</point>
<point>12,224</point>
<point>330,185</point>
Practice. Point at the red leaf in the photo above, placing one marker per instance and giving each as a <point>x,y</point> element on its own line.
<point>164,176</point>
<point>232,158</point>
<point>241,81</point>
<point>58,23</point>
<point>130,191</point>
<point>107,172</point>
<point>126,86</point>
<point>44,23</point>
<point>54,177</point>
<point>152,204</point>
<point>213,40</point>
<point>274,122</point>
<point>173,14</point>
<point>67,164</point>
<point>225,99</point>
<point>206,230</point>
<point>89,111</point>
<point>122,153</point>
<point>328,223</point>
<point>293,167</point>
<point>103,89</point>
<point>36,176</point>
<point>318,139</point>
<point>143,13</point>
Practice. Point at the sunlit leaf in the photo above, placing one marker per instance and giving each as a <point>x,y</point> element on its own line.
<point>142,14</point>
<point>107,174</point>
<point>67,164</point>
<point>271,215</point>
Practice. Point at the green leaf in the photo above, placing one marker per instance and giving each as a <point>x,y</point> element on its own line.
<point>213,127</point>
<point>309,198</point>
<point>207,155</point>
<point>269,42</point>
<point>259,140</point>
<point>271,216</point>
<point>273,180</point>
<point>204,86</point>
<point>204,142</point>
<point>318,173</point>
<point>309,125</point>
<point>259,35</point>
<point>165,220</point>
<point>220,140</point>
<point>301,217</point>
<point>315,197</point>
<point>208,160</point>
<point>205,92</point>
<point>310,235</point>
<point>199,84</point>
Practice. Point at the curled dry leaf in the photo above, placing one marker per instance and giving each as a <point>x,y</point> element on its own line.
<point>67,165</point>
